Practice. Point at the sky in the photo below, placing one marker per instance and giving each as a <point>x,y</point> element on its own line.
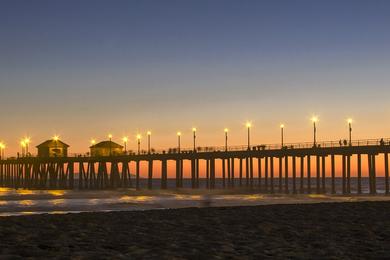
<point>84,69</point>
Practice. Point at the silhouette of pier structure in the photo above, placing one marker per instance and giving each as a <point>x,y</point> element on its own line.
<point>301,168</point>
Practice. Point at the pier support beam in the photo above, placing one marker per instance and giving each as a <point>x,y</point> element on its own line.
<point>259,173</point>
<point>387,191</point>
<point>197,172</point>
<point>150,174</point>
<point>223,173</point>
<point>294,175</point>
<point>266,174</point>
<point>207,173</point>
<point>212,173</point>
<point>344,173</point>
<point>280,173</point>
<point>251,172</point>
<point>272,174</point>
<point>178,174</point>
<point>333,173</point>
<point>193,173</point>
<point>323,174</point>
<point>359,173</point>
<point>164,174</point>
<point>137,173</point>
<point>348,174</point>
<point>308,175</point>
<point>286,190</point>
<point>302,174</point>
<point>247,171</point>
<point>240,172</point>
<point>318,171</point>
<point>233,170</point>
<point>229,173</point>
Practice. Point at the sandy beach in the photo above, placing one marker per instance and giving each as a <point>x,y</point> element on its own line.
<point>358,230</point>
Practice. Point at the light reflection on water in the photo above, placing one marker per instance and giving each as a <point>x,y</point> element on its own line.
<point>58,202</point>
<point>25,202</point>
<point>56,192</point>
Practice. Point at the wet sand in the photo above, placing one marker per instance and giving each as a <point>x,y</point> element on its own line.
<point>357,230</point>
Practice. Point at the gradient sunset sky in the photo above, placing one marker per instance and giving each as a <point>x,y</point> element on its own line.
<point>83,69</point>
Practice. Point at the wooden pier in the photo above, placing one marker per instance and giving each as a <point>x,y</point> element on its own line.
<point>252,167</point>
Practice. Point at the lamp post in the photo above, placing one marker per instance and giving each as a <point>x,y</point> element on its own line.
<point>93,142</point>
<point>282,134</point>
<point>125,140</point>
<point>55,139</point>
<point>110,139</point>
<point>314,119</point>
<point>149,134</point>
<point>178,141</point>
<point>139,143</point>
<point>2,147</point>
<point>226,138</point>
<point>248,126</point>
<point>27,142</point>
<point>350,130</point>
<point>194,136</point>
<point>23,146</point>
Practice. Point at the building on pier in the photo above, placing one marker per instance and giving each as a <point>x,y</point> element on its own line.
<point>53,148</point>
<point>106,148</point>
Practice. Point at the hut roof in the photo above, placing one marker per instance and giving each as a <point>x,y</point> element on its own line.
<point>53,143</point>
<point>107,144</point>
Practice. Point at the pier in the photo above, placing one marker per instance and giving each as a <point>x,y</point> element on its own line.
<point>301,168</point>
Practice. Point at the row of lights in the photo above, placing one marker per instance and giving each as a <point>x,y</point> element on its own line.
<point>248,125</point>
<point>26,141</point>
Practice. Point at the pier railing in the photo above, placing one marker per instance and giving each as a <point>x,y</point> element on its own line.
<point>258,147</point>
<point>301,145</point>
